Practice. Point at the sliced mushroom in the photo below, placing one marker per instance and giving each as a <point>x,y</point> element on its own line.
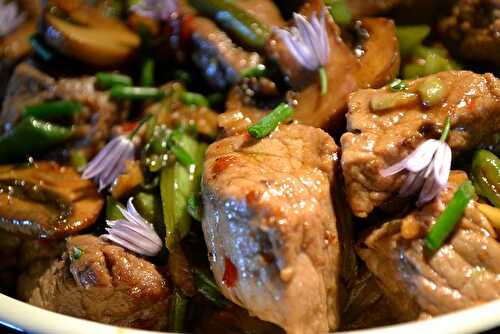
<point>346,71</point>
<point>46,200</point>
<point>84,33</point>
<point>380,60</point>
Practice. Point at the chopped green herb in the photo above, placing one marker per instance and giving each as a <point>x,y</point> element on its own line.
<point>339,11</point>
<point>77,253</point>
<point>269,122</point>
<point>182,156</point>
<point>206,286</point>
<point>106,80</point>
<point>148,72</point>
<point>194,207</point>
<point>398,85</point>
<point>451,215</point>
<point>254,72</point>
<point>194,99</point>
<point>136,93</point>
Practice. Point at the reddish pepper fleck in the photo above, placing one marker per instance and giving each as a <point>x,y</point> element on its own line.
<point>222,163</point>
<point>129,126</point>
<point>230,273</point>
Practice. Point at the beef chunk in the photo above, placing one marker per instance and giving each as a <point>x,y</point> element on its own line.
<point>379,139</point>
<point>270,227</point>
<point>473,30</point>
<point>102,282</point>
<point>464,272</point>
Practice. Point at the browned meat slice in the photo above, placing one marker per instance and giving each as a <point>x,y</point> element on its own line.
<point>98,281</point>
<point>464,272</point>
<point>30,86</point>
<point>379,139</point>
<point>473,30</point>
<point>270,227</point>
<point>215,54</point>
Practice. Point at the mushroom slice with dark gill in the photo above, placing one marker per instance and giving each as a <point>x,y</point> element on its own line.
<point>46,200</point>
<point>346,70</point>
<point>84,33</point>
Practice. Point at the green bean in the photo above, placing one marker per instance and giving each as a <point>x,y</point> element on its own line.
<point>339,11</point>
<point>31,136</point>
<point>148,206</point>
<point>177,183</point>
<point>178,311</point>
<point>194,207</point>
<point>269,122</point>
<point>106,80</point>
<point>194,99</point>
<point>207,287</point>
<point>55,110</point>
<point>243,26</point>
<point>136,93</point>
<point>148,72</point>
<point>451,215</point>
<point>432,91</point>
<point>254,72</point>
<point>410,37</point>
<point>486,175</point>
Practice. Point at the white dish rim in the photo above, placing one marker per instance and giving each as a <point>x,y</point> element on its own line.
<point>35,320</point>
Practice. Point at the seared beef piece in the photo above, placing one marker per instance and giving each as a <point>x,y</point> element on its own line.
<point>30,86</point>
<point>379,139</point>
<point>473,30</point>
<point>270,227</point>
<point>464,272</point>
<point>215,54</point>
<point>102,282</point>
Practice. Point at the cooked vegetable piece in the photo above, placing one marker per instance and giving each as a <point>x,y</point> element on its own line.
<point>268,123</point>
<point>78,159</point>
<point>149,206</point>
<point>112,211</point>
<point>339,11</point>
<point>206,285</point>
<point>107,80</point>
<point>486,176</point>
<point>194,207</point>
<point>393,100</point>
<point>450,217</point>
<point>243,26</point>
<point>177,183</point>
<point>90,37</point>
<point>432,91</point>
<point>136,93</point>
<point>410,37</point>
<point>178,310</point>
<point>45,200</point>
<point>148,72</point>
<point>398,85</point>
<point>254,72</point>
<point>56,110</point>
<point>492,213</point>
<point>194,99</point>
<point>31,136</point>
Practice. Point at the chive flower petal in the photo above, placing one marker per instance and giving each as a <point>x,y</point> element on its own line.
<point>133,232</point>
<point>156,9</point>
<point>10,17</point>
<point>109,163</point>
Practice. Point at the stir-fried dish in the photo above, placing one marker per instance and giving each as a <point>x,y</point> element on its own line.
<point>251,166</point>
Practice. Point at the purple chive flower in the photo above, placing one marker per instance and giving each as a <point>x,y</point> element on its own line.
<point>308,43</point>
<point>110,162</point>
<point>156,9</point>
<point>133,232</point>
<point>10,17</point>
